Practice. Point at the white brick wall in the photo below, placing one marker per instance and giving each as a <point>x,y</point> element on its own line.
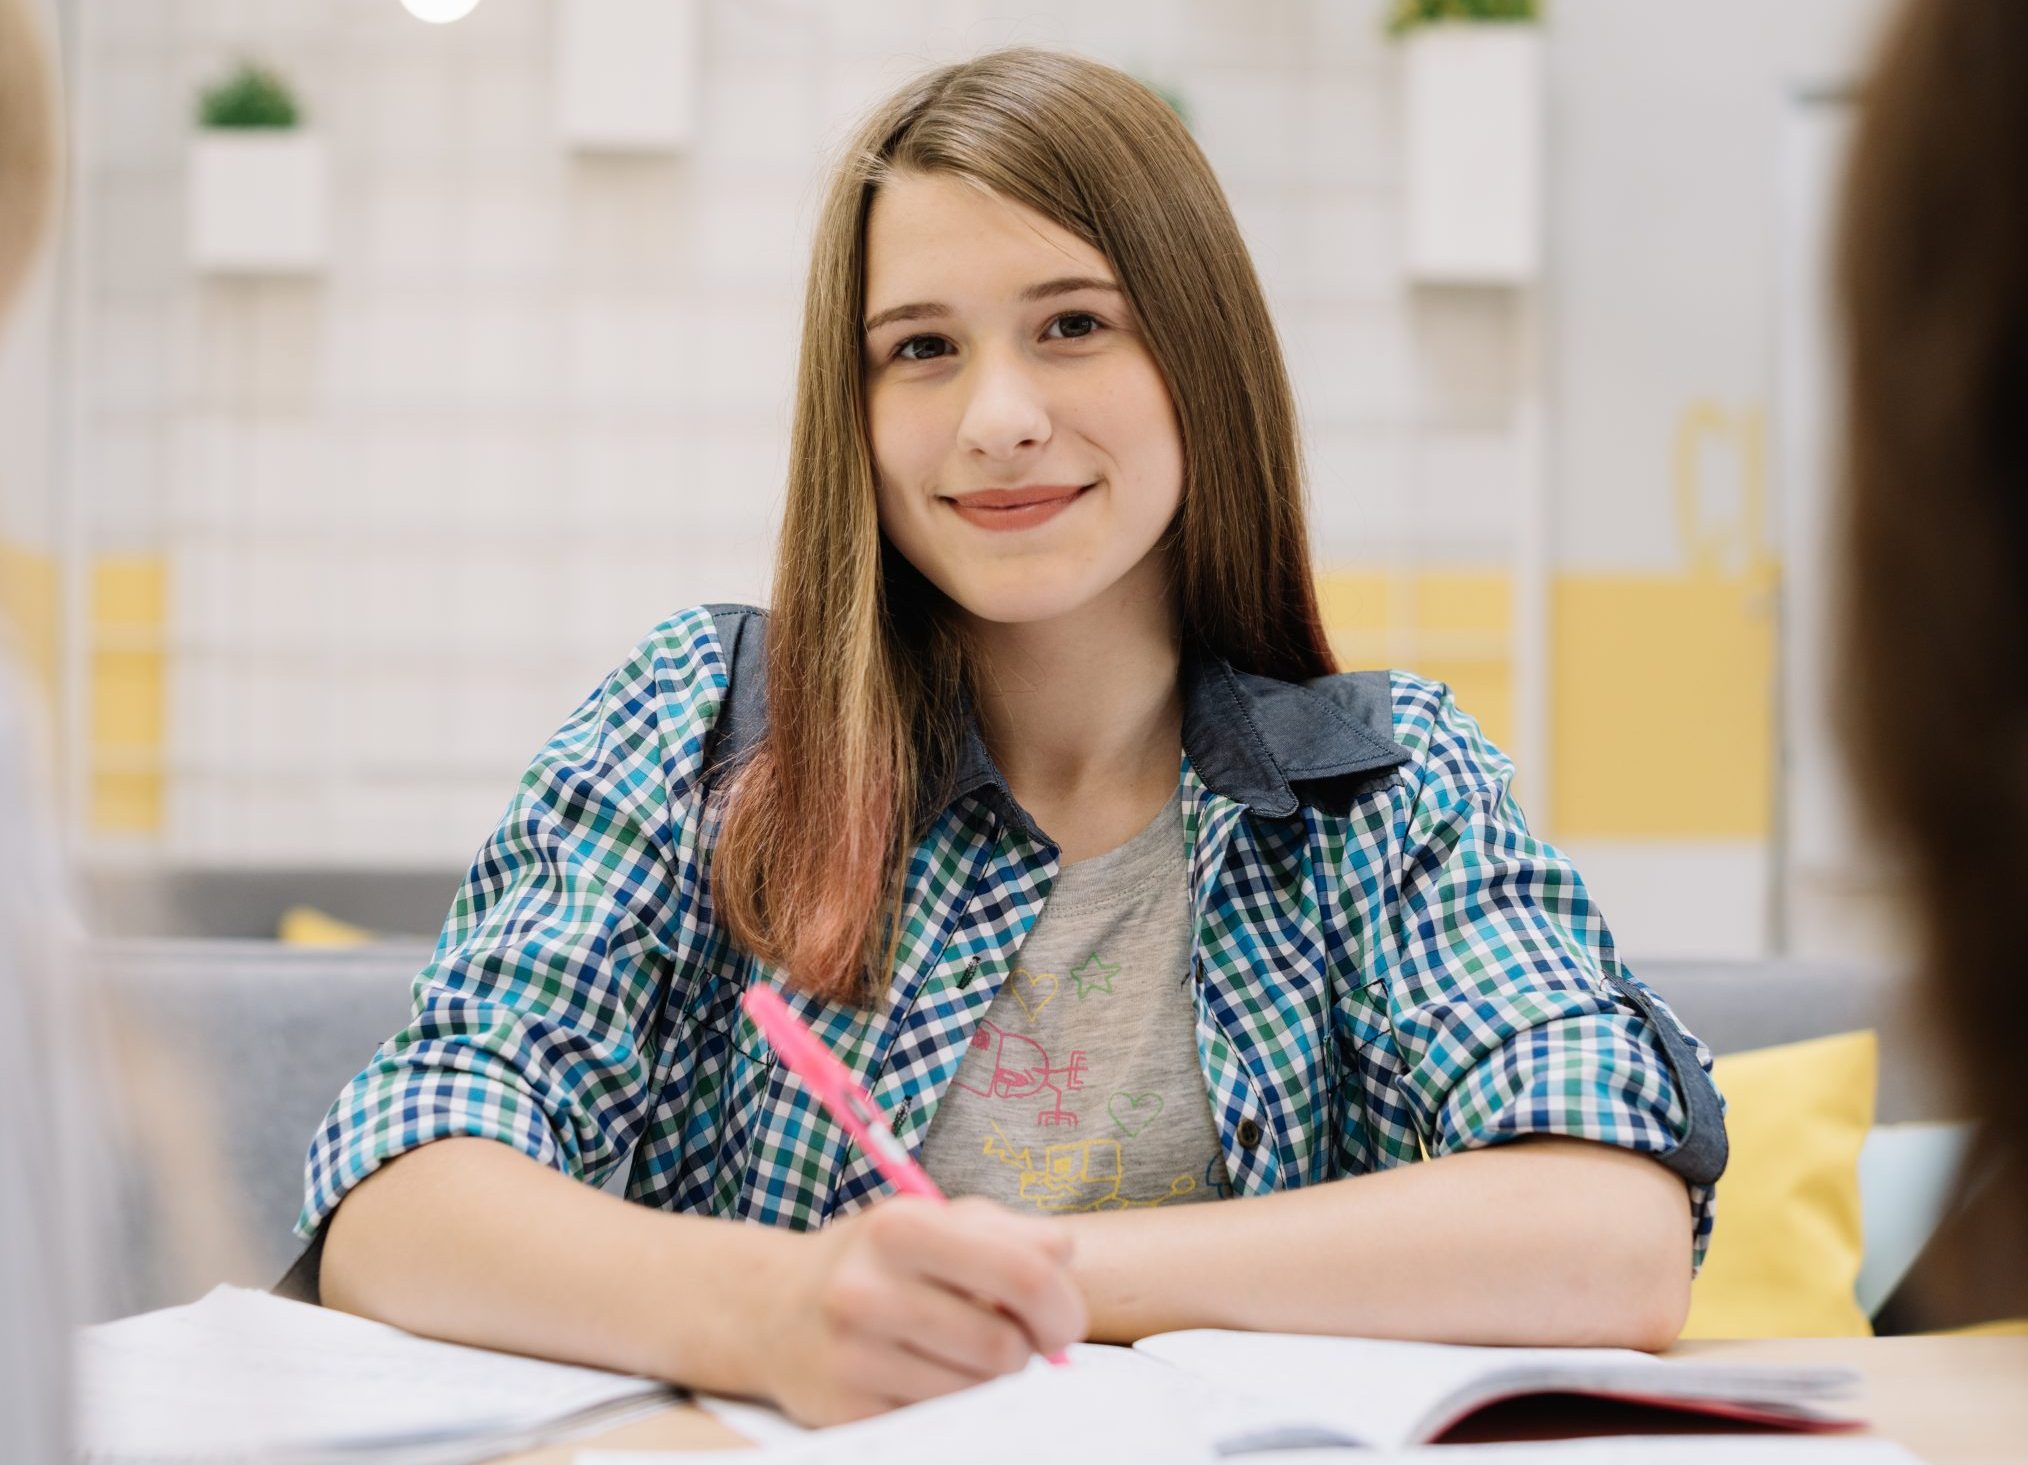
<point>417,505</point>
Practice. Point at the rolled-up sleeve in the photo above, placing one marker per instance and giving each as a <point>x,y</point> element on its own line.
<point>534,1020</point>
<point>1511,1010</point>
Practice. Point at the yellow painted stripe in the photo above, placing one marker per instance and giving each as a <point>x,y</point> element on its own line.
<point>1662,695</point>
<point>1663,708</point>
<point>130,592</point>
<point>28,600</point>
<point>129,693</point>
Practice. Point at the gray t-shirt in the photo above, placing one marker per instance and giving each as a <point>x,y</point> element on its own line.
<point>1081,1089</point>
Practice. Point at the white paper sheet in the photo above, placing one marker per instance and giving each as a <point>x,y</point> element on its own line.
<point>1110,1404</point>
<point>245,1374</point>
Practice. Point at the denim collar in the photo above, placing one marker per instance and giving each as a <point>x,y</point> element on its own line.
<point>1269,745</point>
<point>1266,744</point>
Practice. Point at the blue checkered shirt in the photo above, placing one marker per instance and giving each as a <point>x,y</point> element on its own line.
<point>1387,964</point>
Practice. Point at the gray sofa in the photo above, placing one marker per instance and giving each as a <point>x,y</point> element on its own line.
<point>251,1040</point>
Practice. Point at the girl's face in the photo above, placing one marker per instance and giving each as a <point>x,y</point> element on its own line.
<point>1028,452</point>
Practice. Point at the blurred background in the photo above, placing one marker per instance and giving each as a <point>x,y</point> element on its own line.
<point>396,369</point>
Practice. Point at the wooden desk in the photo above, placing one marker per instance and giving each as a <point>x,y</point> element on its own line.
<point>1953,1401</point>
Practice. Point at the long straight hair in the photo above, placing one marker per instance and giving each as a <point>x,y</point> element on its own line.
<point>866,671</point>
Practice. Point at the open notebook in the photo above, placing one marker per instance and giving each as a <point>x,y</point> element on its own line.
<point>1357,1391</point>
<point>1216,1393</point>
<point>243,1376</point>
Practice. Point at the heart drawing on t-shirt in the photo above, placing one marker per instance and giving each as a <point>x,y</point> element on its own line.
<point>1134,1112</point>
<point>1033,990</point>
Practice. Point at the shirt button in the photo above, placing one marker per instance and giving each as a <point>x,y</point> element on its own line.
<point>1249,1133</point>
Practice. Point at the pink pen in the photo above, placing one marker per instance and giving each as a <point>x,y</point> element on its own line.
<point>840,1094</point>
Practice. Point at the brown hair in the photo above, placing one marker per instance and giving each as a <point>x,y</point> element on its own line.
<point>28,142</point>
<point>1933,619</point>
<point>866,672</point>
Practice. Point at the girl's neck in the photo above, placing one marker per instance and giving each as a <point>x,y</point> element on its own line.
<point>1084,713</point>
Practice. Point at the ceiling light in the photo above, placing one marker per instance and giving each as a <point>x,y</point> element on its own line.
<point>439,12</point>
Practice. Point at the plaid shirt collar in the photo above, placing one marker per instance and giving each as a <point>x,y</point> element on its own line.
<point>1265,744</point>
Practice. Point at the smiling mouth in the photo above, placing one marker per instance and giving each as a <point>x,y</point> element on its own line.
<point>1005,508</point>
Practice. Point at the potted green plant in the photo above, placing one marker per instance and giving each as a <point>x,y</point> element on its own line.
<point>1472,129</point>
<point>1407,15</point>
<point>258,178</point>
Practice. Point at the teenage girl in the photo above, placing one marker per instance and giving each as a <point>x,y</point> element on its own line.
<point>1222,989</point>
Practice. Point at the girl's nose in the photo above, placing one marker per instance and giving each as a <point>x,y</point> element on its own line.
<point>1007,408</point>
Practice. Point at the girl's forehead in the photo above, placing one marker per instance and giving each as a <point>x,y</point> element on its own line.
<point>925,225</point>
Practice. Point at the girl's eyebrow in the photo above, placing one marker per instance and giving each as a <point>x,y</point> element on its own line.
<point>930,309</point>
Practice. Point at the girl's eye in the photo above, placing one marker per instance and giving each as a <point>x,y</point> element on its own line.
<point>901,352</point>
<point>1091,325</point>
<point>1095,323</point>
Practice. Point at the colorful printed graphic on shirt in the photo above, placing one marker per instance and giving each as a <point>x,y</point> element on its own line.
<point>1032,1088</point>
<point>1033,990</point>
<point>1082,1175</point>
<point>1020,1071</point>
<point>1094,976</point>
<point>1133,1113</point>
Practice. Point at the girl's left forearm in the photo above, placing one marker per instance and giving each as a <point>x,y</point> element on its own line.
<point>1544,1241</point>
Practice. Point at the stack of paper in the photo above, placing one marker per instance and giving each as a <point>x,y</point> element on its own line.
<point>242,1376</point>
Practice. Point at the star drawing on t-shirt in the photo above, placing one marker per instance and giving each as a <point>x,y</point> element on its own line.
<point>1093,975</point>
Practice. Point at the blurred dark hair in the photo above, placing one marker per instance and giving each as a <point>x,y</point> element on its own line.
<point>1932,699</point>
<point>30,155</point>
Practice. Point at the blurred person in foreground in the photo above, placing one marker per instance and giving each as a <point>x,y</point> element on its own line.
<point>1933,623</point>
<point>43,1098</point>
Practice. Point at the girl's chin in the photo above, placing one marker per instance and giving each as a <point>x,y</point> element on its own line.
<point>1020,604</point>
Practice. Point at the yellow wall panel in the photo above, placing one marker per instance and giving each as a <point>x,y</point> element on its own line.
<point>129,693</point>
<point>1663,709</point>
<point>129,592</point>
<point>1417,602</point>
<point>1458,601</point>
<point>1662,696</point>
<point>1353,600</point>
<point>28,601</point>
<point>1411,620</point>
<point>126,803</point>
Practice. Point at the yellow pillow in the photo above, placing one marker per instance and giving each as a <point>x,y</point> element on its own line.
<point>1784,1257</point>
<point>304,925</point>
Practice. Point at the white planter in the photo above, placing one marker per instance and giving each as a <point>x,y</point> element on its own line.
<point>1472,126</point>
<point>259,201</point>
<point>627,73</point>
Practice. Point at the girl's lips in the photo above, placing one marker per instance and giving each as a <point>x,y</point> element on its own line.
<point>1025,513</point>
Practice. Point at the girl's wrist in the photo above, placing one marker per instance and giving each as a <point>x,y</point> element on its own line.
<point>715,1307</point>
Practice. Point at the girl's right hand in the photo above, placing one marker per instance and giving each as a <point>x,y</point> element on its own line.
<point>910,1299</point>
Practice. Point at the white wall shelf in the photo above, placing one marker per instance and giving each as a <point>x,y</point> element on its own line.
<point>627,75</point>
<point>259,202</point>
<point>1472,134</point>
